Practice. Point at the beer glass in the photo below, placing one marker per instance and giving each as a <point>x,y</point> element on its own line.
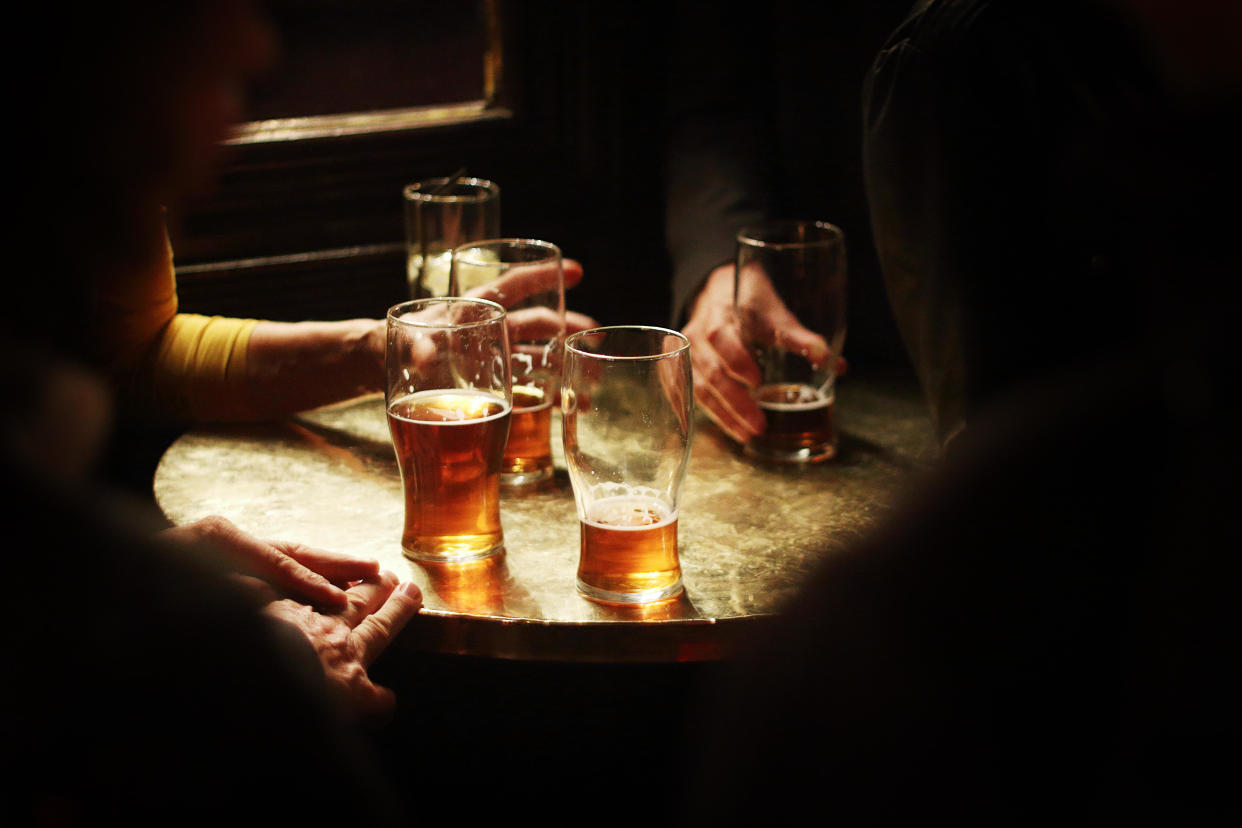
<point>448,395</point>
<point>627,403</point>
<point>440,214</point>
<point>531,269</point>
<point>789,295</point>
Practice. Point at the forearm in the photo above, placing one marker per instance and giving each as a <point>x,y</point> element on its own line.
<point>294,366</point>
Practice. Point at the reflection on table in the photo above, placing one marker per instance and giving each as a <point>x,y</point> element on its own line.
<point>749,533</point>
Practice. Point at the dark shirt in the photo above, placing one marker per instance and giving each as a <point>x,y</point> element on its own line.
<point>991,129</point>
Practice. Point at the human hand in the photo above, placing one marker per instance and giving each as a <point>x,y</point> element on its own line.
<point>303,572</point>
<point>520,283</point>
<point>532,331</point>
<point>765,321</point>
<point>724,369</point>
<point>348,642</point>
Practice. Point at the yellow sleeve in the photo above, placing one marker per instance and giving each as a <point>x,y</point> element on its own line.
<point>199,369</point>
<point>173,365</point>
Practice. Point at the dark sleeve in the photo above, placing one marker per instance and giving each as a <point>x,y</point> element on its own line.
<point>941,158</point>
<point>974,113</point>
<point>719,142</point>
<point>906,183</point>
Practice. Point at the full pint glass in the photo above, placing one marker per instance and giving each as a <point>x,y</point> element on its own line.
<point>627,399</point>
<point>449,397</point>
<point>789,295</point>
<point>530,269</point>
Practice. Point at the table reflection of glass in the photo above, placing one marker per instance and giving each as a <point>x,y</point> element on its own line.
<point>749,532</point>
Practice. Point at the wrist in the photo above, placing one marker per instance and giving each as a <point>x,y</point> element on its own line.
<point>365,343</point>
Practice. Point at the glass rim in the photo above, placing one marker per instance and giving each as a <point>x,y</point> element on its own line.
<point>485,190</point>
<point>397,310</point>
<point>553,251</point>
<point>684,347</point>
<point>749,234</point>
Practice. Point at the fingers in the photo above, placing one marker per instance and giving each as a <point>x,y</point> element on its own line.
<point>794,338</point>
<point>533,325</point>
<point>575,322</point>
<point>573,272</point>
<point>253,556</point>
<point>734,356</point>
<point>543,324</point>
<point>724,370</point>
<point>730,406</point>
<point>520,283</point>
<point>335,566</point>
<point>371,637</point>
<point>366,597</point>
<point>725,399</point>
<point>380,627</point>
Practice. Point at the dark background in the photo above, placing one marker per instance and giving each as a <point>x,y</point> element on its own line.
<point>312,229</point>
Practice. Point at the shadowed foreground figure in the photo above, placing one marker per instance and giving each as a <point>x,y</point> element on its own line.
<point>1044,629</point>
<point>190,674</point>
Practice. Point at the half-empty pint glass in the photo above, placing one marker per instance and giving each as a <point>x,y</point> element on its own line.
<point>449,395</point>
<point>530,269</point>
<point>627,400</point>
<point>789,295</point>
<point>440,214</point>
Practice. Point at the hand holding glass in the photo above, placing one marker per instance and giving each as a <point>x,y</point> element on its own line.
<point>789,296</point>
<point>448,396</point>
<point>627,402</point>
<point>525,276</point>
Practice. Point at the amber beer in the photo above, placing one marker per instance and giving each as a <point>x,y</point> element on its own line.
<point>528,452</point>
<point>629,550</point>
<point>799,422</point>
<point>449,445</point>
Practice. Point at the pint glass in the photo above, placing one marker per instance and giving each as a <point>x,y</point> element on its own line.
<point>627,403</point>
<point>448,396</point>
<point>789,295</point>
<point>440,214</point>
<point>532,269</point>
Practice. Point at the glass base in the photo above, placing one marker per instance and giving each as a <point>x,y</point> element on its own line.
<point>525,478</point>
<point>807,454</point>
<point>451,553</point>
<point>644,597</point>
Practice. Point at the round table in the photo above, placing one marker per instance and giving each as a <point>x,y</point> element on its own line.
<point>749,532</point>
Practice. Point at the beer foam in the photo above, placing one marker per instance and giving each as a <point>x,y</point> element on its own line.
<point>805,398</point>
<point>452,406</point>
<point>630,513</point>
<point>532,391</point>
<point>436,277</point>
